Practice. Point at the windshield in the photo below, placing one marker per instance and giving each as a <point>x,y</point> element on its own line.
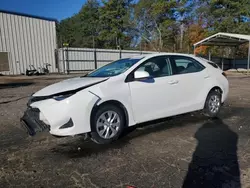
<point>114,68</point>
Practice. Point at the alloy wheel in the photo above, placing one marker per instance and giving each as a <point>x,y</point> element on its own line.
<point>108,124</point>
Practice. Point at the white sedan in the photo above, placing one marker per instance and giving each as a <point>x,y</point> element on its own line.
<point>127,92</point>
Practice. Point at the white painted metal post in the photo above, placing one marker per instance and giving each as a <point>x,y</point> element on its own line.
<point>248,61</point>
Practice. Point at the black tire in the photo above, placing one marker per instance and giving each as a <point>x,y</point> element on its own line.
<point>207,108</point>
<point>94,133</point>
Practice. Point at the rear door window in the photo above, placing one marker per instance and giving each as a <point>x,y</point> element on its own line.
<point>185,65</point>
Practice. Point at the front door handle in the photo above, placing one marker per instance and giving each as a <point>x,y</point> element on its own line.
<point>173,82</point>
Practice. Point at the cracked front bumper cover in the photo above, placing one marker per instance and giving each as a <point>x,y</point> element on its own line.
<point>31,122</point>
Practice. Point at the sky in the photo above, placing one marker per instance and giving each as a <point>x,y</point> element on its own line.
<point>57,9</point>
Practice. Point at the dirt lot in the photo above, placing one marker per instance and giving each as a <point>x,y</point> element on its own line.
<point>184,151</point>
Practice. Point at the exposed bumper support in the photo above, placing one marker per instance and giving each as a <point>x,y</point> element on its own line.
<point>31,122</point>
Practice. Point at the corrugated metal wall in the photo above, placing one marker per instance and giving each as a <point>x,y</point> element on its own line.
<point>80,59</point>
<point>28,41</point>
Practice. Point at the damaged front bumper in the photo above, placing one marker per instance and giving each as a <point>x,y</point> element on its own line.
<point>67,117</point>
<point>32,123</point>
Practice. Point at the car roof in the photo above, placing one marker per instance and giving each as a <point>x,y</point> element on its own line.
<point>160,54</point>
<point>137,57</point>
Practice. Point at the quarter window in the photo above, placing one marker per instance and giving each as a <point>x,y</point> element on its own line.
<point>184,65</point>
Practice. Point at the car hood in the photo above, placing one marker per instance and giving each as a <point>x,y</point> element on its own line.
<point>68,85</point>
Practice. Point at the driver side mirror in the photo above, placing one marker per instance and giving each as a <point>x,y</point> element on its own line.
<point>141,75</point>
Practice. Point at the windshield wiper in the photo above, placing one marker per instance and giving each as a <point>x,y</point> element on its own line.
<point>84,75</point>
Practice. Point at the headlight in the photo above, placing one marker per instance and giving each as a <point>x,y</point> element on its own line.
<point>62,97</point>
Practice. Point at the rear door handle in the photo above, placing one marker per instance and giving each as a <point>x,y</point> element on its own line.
<point>207,76</point>
<point>173,82</point>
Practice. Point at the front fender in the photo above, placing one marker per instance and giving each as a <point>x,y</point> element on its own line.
<point>121,94</point>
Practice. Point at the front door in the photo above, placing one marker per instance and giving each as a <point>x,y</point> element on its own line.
<point>155,97</point>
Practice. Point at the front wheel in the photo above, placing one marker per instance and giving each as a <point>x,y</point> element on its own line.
<point>213,104</point>
<point>107,125</point>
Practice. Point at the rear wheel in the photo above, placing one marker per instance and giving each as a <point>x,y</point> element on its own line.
<point>213,104</point>
<point>107,124</point>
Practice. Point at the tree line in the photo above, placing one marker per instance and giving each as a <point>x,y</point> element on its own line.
<point>156,25</point>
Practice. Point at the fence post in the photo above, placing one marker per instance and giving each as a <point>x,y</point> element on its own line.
<point>120,53</point>
<point>56,52</point>
<point>63,61</point>
<point>235,48</point>
<point>67,59</point>
<point>248,59</point>
<point>222,65</point>
<point>95,59</point>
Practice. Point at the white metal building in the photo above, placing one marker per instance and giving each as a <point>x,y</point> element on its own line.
<point>26,40</point>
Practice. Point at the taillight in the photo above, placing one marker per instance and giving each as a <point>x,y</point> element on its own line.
<point>224,74</point>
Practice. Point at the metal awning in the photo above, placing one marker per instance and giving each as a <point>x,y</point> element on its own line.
<point>226,39</point>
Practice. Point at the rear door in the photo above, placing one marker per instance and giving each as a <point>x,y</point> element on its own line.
<point>192,78</point>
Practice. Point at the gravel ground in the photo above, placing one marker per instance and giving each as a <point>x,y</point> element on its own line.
<point>185,151</point>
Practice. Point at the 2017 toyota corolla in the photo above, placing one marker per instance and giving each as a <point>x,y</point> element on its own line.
<point>124,93</point>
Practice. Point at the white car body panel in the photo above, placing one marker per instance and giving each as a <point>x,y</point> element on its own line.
<point>66,85</point>
<point>119,92</point>
<point>142,101</point>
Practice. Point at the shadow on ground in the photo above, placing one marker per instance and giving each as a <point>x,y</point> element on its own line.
<point>81,148</point>
<point>84,148</point>
<point>15,85</point>
<point>214,162</point>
